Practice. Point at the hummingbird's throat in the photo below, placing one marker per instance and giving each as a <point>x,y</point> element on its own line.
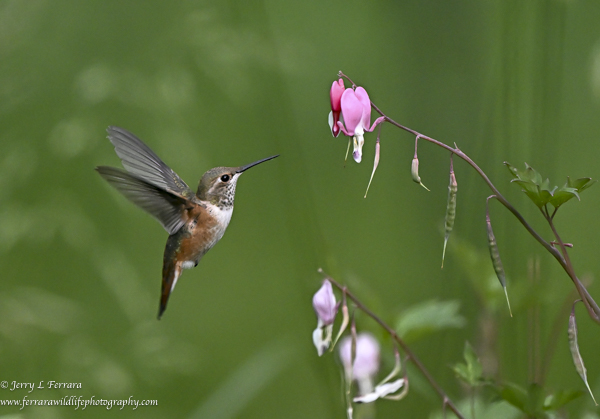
<point>225,196</point>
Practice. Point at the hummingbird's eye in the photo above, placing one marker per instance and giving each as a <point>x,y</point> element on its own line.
<point>225,178</point>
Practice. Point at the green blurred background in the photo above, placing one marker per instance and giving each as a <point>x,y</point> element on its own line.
<point>226,83</point>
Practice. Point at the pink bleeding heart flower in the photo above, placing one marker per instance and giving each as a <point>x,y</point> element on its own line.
<point>356,111</point>
<point>335,96</point>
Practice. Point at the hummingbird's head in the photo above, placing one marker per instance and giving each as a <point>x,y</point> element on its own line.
<point>217,186</point>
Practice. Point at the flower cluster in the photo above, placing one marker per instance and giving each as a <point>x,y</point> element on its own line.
<point>359,353</point>
<point>355,107</point>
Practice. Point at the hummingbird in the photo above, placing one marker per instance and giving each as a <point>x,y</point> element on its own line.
<point>195,221</point>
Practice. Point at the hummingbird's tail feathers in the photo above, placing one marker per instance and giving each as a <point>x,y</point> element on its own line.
<point>168,208</point>
<point>139,160</point>
<point>171,273</point>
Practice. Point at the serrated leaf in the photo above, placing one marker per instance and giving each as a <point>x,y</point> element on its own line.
<point>546,192</point>
<point>570,190</point>
<point>532,191</point>
<point>580,184</point>
<point>531,181</point>
<point>560,197</point>
<point>545,186</point>
<point>564,195</point>
<point>512,169</point>
<point>526,185</point>
<point>428,317</point>
<point>533,175</point>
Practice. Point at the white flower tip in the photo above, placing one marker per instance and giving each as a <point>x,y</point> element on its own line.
<point>358,140</point>
<point>319,342</point>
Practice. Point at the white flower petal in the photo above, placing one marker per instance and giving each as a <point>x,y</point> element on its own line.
<point>359,140</point>
<point>367,398</point>
<point>320,342</point>
<point>331,121</point>
<point>389,388</point>
<point>380,391</point>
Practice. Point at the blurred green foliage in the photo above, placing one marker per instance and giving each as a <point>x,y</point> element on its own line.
<point>428,317</point>
<point>226,83</point>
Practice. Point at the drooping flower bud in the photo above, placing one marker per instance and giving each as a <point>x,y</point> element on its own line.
<point>414,171</point>
<point>335,96</point>
<point>324,303</point>
<point>326,308</point>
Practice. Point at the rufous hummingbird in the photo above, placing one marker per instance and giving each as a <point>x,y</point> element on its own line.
<point>195,222</point>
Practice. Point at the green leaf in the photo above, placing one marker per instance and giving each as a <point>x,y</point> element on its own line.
<point>535,400</point>
<point>530,401</point>
<point>580,184</point>
<point>560,398</point>
<point>514,395</point>
<point>531,181</point>
<point>533,175</point>
<point>428,317</point>
<point>570,190</point>
<point>513,170</point>
<point>563,195</point>
<point>541,193</point>
<point>471,371</point>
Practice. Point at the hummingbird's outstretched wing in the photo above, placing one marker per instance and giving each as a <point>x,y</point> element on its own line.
<point>139,160</point>
<point>167,207</point>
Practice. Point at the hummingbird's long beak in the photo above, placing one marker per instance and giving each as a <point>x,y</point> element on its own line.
<point>248,166</point>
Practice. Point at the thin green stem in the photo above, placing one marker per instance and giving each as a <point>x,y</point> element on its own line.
<point>590,304</point>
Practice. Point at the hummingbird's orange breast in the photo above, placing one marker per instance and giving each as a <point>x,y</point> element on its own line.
<point>199,235</point>
<point>186,246</point>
